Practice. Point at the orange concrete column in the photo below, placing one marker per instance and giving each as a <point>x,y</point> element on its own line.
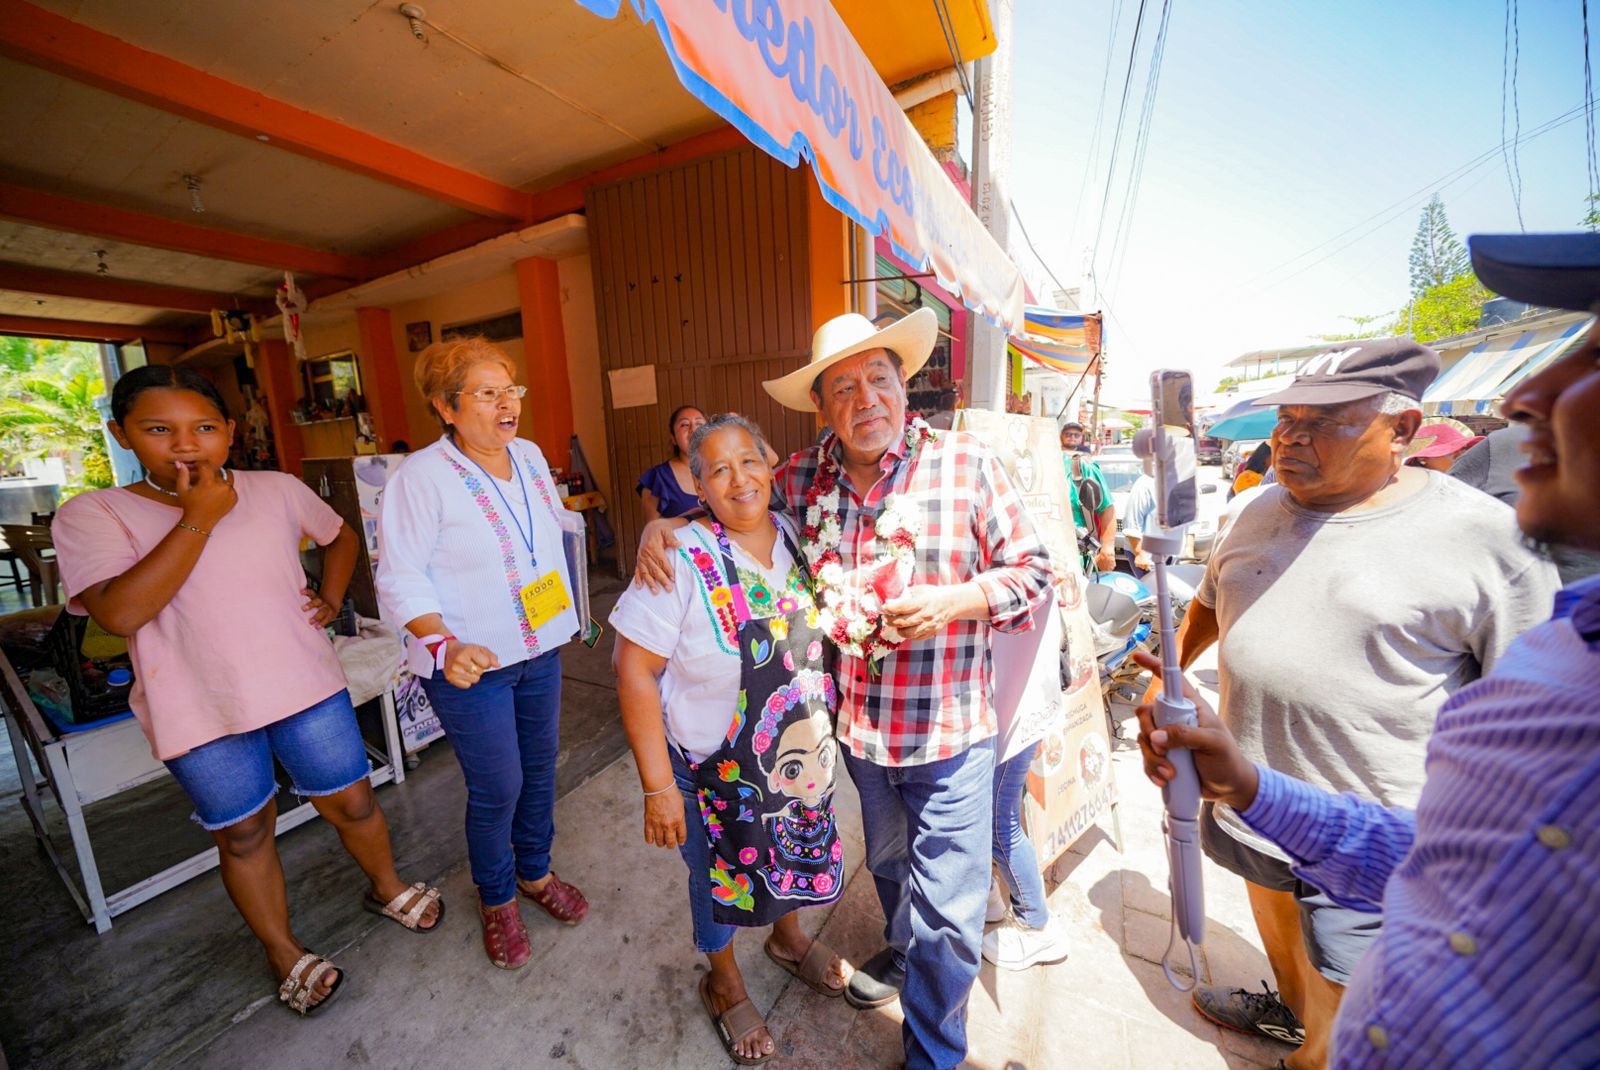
<point>828,238</point>
<point>275,373</point>
<point>547,410</point>
<point>380,376</point>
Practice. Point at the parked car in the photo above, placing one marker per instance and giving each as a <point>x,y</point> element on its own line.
<point>1208,450</point>
<point>1122,469</point>
<point>1234,456</point>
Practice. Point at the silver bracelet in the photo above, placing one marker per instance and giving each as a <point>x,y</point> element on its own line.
<point>660,791</point>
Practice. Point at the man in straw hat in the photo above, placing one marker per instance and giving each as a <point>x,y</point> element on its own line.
<point>1488,952</point>
<point>918,545</point>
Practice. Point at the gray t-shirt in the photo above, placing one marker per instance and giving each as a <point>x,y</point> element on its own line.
<point>1343,633</point>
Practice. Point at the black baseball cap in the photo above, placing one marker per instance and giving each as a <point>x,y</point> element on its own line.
<point>1360,369</point>
<point>1072,425</point>
<point>1553,270</point>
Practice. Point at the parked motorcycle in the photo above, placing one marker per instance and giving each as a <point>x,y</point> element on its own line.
<point>1123,611</point>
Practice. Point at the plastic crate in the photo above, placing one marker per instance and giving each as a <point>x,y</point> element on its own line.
<point>89,680</point>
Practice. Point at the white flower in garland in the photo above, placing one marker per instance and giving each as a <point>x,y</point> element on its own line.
<point>852,614</point>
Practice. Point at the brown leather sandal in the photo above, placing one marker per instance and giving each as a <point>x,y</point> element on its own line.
<point>814,968</point>
<point>505,938</point>
<point>735,1024</point>
<point>558,899</point>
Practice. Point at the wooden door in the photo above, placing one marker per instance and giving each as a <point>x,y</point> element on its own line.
<point>700,270</point>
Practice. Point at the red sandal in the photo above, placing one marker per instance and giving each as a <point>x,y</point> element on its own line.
<point>505,938</point>
<point>558,899</point>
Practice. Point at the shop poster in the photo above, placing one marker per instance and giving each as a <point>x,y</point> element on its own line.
<point>1070,784</point>
<point>418,723</point>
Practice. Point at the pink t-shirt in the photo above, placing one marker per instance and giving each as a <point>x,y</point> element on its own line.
<point>233,651</point>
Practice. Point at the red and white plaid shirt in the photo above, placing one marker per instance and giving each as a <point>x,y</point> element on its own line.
<point>933,698</point>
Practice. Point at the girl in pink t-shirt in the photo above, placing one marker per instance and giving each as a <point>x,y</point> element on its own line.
<point>199,567</point>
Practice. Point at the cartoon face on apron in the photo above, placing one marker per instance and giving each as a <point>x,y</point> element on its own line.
<point>766,796</point>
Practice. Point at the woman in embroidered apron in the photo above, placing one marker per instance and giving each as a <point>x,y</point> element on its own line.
<point>470,558</point>
<point>728,705</point>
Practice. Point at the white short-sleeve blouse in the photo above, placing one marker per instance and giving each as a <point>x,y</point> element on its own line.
<point>701,683</point>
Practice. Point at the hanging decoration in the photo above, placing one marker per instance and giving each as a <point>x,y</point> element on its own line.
<point>292,303</point>
<point>238,327</point>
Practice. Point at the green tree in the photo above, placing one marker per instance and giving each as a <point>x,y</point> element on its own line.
<point>1437,257</point>
<point>47,405</point>
<point>1441,311</point>
<point>1592,218</point>
<point>1366,327</point>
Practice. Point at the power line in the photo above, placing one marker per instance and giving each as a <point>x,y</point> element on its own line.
<point>1588,103</point>
<point>1023,228</point>
<point>954,46</point>
<point>1116,137</point>
<point>1448,178</point>
<point>1141,144</point>
<point>1092,158</point>
<point>1510,62</point>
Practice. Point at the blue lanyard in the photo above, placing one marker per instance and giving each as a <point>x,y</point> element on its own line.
<point>527,500</point>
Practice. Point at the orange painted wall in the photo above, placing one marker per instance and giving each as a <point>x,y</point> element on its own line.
<point>547,410</point>
<point>828,235</point>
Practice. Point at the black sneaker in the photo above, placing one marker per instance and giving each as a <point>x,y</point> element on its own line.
<point>1250,1012</point>
<point>875,982</point>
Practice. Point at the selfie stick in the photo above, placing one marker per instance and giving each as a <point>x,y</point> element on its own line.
<point>1182,794</point>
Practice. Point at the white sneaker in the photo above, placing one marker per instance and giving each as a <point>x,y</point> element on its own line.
<point>998,906</point>
<point>1016,947</point>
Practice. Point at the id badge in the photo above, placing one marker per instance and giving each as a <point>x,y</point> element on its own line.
<point>545,598</point>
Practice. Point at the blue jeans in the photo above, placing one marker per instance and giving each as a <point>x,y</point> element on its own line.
<point>710,935</point>
<point>1013,850</point>
<point>231,778</point>
<point>504,730</point>
<point>929,841</point>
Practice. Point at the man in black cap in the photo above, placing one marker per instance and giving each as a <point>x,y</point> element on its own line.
<point>1488,955</point>
<point>1349,602</point>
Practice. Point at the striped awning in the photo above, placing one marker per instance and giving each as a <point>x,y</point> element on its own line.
<point>1481,377</point>
<point>1062,341</point>
<point>1544,358</point>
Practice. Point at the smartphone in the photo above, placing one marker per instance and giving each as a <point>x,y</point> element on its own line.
<point>1172,413</point>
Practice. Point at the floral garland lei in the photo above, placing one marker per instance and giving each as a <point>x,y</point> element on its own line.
<point>851,614</point>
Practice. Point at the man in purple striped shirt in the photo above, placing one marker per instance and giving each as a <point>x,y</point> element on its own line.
<point>1489,955</point>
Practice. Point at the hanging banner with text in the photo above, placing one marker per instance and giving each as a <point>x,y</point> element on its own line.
<point>790,77</point>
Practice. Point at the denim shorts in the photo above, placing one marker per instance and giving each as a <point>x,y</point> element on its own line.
<point>231,778</point>
<point>1335,936</point>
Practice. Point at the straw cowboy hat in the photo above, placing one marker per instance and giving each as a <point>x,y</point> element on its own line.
<point>912,338</point>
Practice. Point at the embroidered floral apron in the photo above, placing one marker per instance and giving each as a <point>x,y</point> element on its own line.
<point>766,796</point>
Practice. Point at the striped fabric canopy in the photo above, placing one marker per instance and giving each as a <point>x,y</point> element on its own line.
<point>1478,380</point>
<point>1062,341</point>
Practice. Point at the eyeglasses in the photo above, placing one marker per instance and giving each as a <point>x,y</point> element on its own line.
<point>491,394</point>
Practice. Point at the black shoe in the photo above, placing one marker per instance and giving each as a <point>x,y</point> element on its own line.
<point>875,982</point>
<point>1250,1012</point>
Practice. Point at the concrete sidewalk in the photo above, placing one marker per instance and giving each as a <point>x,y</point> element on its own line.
<point>178,982</point>
<point>1107,1007</point>
<point>619,991</point>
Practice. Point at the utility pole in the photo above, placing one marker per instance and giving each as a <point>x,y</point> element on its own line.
<point>991,165</point>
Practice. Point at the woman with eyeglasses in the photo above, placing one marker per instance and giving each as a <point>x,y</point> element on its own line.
<point>470,557</point>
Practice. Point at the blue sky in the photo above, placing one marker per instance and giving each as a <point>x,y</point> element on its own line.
<point>1277,127</point>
